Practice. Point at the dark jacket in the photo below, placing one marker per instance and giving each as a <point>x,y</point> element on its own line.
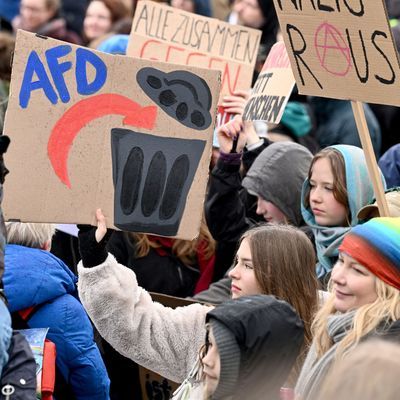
<point>268,350</point>
<point>36,277</point>
<point>158,271</point>
<point>336,123</point>
<point>390,166</point>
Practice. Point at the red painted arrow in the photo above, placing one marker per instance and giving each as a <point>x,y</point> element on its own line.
<point>81,113</point>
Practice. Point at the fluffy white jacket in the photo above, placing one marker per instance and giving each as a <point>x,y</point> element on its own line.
<point>162,339</point>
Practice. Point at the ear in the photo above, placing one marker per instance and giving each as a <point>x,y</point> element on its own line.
<point>46,245</point>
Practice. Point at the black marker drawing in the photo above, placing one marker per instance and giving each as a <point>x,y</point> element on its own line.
<point>183,95</point>
<point>152,176</point>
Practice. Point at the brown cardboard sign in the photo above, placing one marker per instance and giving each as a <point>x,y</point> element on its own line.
<point>164,33</point>
<point>91,130</point>
<point>341,49</point>
<point>272,89</point>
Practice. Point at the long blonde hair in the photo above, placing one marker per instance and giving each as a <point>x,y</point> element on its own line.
<point>383,310</point>
<point>185,250</point>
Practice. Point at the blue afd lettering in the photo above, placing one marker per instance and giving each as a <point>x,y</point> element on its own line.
<point>35,67</point>
<point>84,87</point>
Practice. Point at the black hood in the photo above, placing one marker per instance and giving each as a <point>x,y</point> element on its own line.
<point>270,335</point>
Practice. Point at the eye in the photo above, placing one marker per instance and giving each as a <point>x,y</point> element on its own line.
<point>329,188</point>
<point>359,270</point>
<point>248,266</point>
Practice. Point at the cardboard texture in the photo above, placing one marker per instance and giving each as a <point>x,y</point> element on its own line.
<point>163,33</point>
<point>341,49</point>
<point>272,89</point>
<point>66,100</point>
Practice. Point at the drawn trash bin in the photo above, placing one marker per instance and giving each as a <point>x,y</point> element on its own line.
<point>152,176</point>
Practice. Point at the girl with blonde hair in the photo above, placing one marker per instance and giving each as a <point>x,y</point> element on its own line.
<point>364,300</point>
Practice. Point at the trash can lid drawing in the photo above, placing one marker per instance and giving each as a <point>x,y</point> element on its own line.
<point>183,95</point>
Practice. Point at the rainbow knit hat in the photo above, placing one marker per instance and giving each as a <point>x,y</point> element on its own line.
<point>376,246</point>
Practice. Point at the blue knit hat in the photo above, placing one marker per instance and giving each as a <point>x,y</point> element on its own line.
<point>116,44</point>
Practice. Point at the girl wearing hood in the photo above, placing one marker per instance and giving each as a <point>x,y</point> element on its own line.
<point>337,187</point>
<point>364,300</point>
<point>250,346</point>
<point>275,260</point>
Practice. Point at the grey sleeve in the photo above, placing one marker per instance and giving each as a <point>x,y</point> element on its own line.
<point>217,293</point>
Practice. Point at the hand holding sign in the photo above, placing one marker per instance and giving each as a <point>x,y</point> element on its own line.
<point>234,130</point>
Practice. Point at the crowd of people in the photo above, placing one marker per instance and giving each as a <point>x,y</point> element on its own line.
<point>293,281</point>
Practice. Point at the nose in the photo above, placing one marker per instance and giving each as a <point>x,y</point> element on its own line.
<point>338,274</point>
<point>234,272</point>
<point>315,195</point>
<point>206,360</point>
<point>260,209</point>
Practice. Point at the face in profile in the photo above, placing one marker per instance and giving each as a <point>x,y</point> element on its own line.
<point>326,209</point>
<point>34,14</point>
<point>97,21</point>
<point>244,282</point>
<point>270,212</point>
<point>211,364</point>
<point>353,284</point>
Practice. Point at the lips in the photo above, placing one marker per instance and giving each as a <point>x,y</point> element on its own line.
<point>317,211</point>
<point>340,294</point>
<point>236,289</point>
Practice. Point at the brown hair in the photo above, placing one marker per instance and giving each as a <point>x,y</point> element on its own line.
<point>7,44</point>
<point>185,250</point>
<point>339,178</point>
<point>284,265</point>
<point>117,9</point>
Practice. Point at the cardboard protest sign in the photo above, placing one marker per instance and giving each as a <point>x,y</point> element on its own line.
<point>164,33</point>
<point>92,130</point>
<point>272,89</point>
<point>341,49</point>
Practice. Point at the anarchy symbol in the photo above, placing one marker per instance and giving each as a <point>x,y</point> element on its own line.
<point>332,50</point>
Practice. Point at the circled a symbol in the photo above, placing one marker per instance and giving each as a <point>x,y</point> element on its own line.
<point>332,50</point>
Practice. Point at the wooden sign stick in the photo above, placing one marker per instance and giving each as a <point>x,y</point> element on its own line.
<point>370,158</point>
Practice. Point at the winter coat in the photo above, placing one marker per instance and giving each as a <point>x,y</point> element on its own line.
<point>390,166</point>
<point>162,339</point>
<point>35,277</point>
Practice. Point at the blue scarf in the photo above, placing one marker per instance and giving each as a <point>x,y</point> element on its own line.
<point>360,192</point>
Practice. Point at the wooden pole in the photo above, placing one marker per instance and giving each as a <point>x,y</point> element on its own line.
<point>372,165</point>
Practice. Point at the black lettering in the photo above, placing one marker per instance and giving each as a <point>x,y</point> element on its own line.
<point>187,35</point>
<point>179,28</point>
<point>165,25</point>
<point>197,33</point>
<point>379,78</point>
<point>276,109</point>
<point>325,7</point>
<point>228,34</point>
<point>159,25</point>
<point>205,33</point>
<point>294,2</point>
<point>249,53</point>
<point>217,31</point>
<point>363,79</point>
<point>359,13</point>
<point>142,16</point>
<point>298,52</point>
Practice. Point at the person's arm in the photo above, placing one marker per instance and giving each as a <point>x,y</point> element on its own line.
<point>159,338</point>
<point>217,293</point>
